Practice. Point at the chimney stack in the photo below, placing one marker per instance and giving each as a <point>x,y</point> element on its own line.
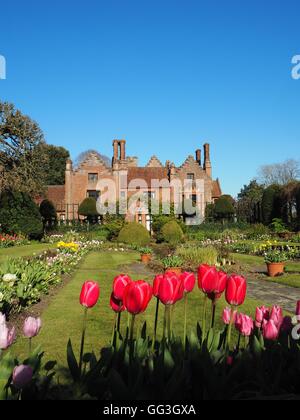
<point>116,150</point>
<point>123,151</point>
<point>207,163</point>
<point>198,156</point>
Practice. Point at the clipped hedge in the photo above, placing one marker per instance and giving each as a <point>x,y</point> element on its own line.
<point>172,233</point>
<point>134,234</point>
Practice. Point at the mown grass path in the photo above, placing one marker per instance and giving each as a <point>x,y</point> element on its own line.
<point>62,319</point>
<point>23,251</point>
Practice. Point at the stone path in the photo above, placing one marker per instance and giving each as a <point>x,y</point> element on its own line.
<point>274,293</point>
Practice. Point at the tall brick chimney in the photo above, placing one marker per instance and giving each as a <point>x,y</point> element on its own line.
<point>123,150</point>
<point>116,150</point>
<point>198,156</point>
<point>207,163</point>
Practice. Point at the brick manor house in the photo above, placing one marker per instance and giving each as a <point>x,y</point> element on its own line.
<point>83,181</point>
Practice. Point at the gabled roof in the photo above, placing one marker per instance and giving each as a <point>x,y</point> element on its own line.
<point>217,191</point>
<point>147,174</point>
<point>92,159</point>
<point>154,162</point>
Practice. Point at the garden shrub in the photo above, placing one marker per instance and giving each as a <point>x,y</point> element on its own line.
<point>20,215</point>
<point>48,213</point>
<point>172,233</point>
<point>134,234</point>
<point>160,221</point>
<point>224,208</point>
<point>271,206</point>
<point>88,208</point>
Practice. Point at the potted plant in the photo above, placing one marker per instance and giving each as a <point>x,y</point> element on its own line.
<point>275,260</point>
<point>173,264</point>
<point>146,255</point>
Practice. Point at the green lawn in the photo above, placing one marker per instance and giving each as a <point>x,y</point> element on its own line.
<point>23,251</point>
<point>63,317</point>
<point>291,278</point>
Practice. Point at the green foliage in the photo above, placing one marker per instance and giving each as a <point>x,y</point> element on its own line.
<point>172,233</point>
<point>56,164</point>
<point>278,226</point>
<point>224,207</point>
<point>174,261</point>
<point>271,205</point>
<point>195,256</point>
<point>276,256</point>
<point>134,234</point>
<point>20,215</point>
<point>48,212</point>
<point>22,157</point>
<point>88,208</point>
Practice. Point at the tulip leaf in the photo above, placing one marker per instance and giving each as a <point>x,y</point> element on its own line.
<point>72,362</point>
<point>6,367</point>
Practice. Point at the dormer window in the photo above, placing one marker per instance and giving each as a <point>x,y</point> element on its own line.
<point>93,178</point>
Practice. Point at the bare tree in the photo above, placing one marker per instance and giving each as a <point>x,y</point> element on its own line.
<point>279,173</point>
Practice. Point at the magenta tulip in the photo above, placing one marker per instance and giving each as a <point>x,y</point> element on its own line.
<point>90,293</point>
<point>287,324</point>
<point>270,330</point>
<point>32,327</point>
<point>227,314</point>
<point>119,284</point>
<point>22,376</point>
<point>244,324</point>
<point>236,290</point>
<point>298,309</point>
<point>261,314</point>
<point>276,316</point>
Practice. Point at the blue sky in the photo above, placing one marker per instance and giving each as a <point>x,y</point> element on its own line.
<point>165,75</point>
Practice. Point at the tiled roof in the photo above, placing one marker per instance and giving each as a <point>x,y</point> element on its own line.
<point>216,192</point>
<point>147,174</point>
<point>56,193</point>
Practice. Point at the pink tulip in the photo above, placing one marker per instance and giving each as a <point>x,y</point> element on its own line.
<point>276,316</point>
<point>261,314</point>
<point>189,281</point>
<point>227,314</point>
<point>32,327</point>
<point>89,295</point>
<point>298,309</point>
<point>244,324</point>
<point>270,330</point>
<point>22,376</point>
<point>7,336</point>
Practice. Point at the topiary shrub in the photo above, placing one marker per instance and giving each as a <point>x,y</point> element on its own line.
<point>20,215</point>
<point>224,208</point>
<point>134,234</point>
<point>172,233</point>
<point>48,213</point>
<point>88,209</point>
<point>271,204</point>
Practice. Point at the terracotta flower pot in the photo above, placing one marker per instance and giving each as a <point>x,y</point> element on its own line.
<point>176,270</point>
<point>146,258</point>
<point>275,269</point>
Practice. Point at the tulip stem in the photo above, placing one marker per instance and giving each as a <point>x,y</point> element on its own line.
<point>114,330</point>
<point>230,328</point>
<point>165,322</point>
<point>131,337</point>
<point>169,321</point>
<point>185,320</point>
<point>155,324</point>
<point>213,313</point>
<point>30,345</point>
<point>83,339</point>
<point>204,319</point>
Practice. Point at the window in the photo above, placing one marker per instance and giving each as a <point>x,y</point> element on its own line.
<point>93,194</point>
<point>193,197</point>
<point>149,194</point>
<point>191,177</point>
<point>93,177</point>
<point>123,194</point>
